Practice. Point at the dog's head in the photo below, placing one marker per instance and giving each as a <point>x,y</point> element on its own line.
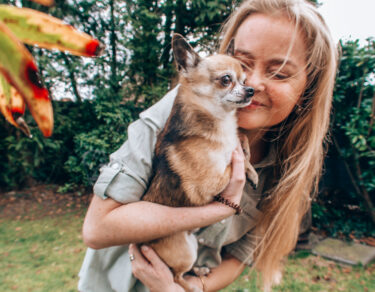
<point>217,77</point>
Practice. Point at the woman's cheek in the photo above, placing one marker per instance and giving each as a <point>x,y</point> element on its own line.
<point>284,96</point>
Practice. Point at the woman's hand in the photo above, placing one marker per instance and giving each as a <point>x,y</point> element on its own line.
<point>233,191</point>
<point>151,270</point>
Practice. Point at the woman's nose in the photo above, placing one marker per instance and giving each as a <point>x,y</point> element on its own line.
<point>255,80</point>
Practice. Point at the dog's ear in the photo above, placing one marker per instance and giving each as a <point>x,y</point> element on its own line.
<point>230,48</point>
<point>184,54</point>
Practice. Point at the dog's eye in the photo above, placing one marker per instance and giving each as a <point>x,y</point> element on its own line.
<point>226,80</point>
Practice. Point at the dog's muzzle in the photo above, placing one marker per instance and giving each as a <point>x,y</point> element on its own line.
<point>249,92</point>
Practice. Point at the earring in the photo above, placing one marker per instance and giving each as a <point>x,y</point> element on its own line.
<point>298,110</point>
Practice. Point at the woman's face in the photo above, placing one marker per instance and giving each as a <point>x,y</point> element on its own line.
<point>262,43</point>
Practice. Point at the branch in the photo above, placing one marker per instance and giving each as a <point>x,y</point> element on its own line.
<point>361,192</point>
<point>113,40</point>
<point>72,77</point>
<point>365,195</point>
<point>372,116</point>
<point>362,88</point>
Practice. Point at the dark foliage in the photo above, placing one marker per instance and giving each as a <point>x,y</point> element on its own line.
<point>347,199</point>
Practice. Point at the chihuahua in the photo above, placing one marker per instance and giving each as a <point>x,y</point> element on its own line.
<point>192,162</point>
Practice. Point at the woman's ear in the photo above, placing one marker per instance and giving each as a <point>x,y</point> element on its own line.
<point>184,54</point>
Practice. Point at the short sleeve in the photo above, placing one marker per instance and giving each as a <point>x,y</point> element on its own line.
<point>243,248</point>
<point>126,176</point>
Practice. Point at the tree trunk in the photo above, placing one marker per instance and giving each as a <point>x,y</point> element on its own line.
<point>72,78</point>
<point>113,42</point>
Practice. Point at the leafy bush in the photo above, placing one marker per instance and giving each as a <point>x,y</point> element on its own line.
<point>38,159</point>
<point>348,198</point>
<point>91,149</point>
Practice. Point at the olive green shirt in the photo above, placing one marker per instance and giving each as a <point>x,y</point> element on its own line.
<point>125,179</point>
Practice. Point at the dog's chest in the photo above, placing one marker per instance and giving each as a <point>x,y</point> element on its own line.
<point>227,137</point>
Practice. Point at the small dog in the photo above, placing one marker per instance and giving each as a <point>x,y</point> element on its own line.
<point>192,161</point>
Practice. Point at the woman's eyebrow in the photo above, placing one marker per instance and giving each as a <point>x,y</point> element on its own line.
<point>243,53</point>
<point>272,62</point>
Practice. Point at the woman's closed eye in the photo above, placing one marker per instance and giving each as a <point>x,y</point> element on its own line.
<point>278,74</point>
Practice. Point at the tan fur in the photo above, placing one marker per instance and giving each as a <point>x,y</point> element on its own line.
<point>192,160</point>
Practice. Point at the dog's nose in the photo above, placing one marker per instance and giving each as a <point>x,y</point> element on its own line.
<point>249,91</point>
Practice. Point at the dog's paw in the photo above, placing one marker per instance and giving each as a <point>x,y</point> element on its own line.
<point>252,176</point>
<point>252,183</point>
<point>195,289</point>
<point>201,271</point>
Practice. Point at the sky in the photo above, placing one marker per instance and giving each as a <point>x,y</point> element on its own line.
<point>349,19</point>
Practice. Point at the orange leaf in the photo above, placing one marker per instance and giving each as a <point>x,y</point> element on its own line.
<point>19,69</point>
<point>45,2</point>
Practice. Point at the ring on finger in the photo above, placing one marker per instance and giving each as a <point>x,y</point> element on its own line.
<point>131,257</point>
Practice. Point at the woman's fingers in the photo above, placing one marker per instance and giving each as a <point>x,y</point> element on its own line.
<point>145,257</point>
<point>136,256</point>
<point>233,191</point>
<point>152,257</point>
<point>239,148</point>
<point>238,165</point>
<point>151,270</point>
<point>140,265</point>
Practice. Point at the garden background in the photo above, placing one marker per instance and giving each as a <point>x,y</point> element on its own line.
<point>94,100</point>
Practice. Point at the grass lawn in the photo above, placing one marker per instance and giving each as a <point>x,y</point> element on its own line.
<point>41,255</point>
<point>42,250</point>
<point>306,272</point>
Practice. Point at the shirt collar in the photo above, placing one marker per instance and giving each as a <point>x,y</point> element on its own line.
<point>269,159</point>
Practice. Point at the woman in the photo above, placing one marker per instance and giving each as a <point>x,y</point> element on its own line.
<point>290,60</point>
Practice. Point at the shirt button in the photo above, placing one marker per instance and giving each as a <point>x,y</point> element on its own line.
<point>115,166</point>
<point>201,240</point>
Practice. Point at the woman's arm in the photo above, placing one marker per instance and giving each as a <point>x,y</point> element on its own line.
<point>153,273</point>
<point>223,275</point>
<point>110,223</point>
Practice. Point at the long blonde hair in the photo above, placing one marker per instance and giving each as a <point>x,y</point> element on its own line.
<point>301,137</point>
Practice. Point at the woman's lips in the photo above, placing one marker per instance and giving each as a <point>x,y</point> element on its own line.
<point>254,104</point>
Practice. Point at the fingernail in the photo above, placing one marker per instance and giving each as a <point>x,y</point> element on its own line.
<point>144,248</point>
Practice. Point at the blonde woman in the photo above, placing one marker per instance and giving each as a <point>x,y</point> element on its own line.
<point>290,61</point>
